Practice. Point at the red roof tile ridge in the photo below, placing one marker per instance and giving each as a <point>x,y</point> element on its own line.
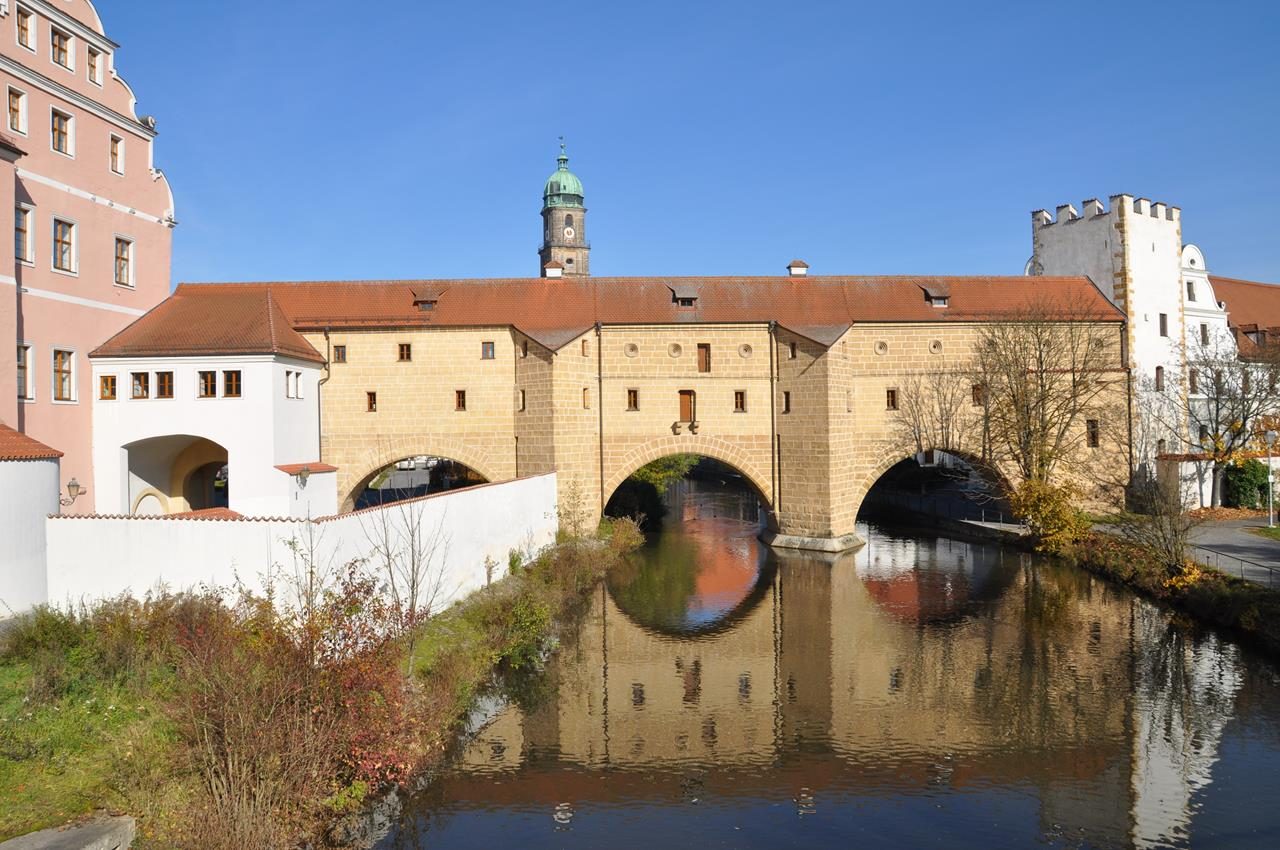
<point>1214,278</point>
<point>188,516</point>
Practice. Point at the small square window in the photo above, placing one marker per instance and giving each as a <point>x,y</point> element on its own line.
<point>739,401</point>
<point>891,399</point>
<point>586,398</point>
<point>459,399</point>
<point>978,395</point>
<point>22,234</point>
<point>791,351</point>
<point>1204,334</point>
<point>524,348</point>
<point>1092,433</point>
<point>520,401</point>
<point>633,399</point>
<point>1191,290</point>
<point>231,384</point>
<point>1204,434</point>
<point>405,352</point>
<point>141,385</point>
<point>339,354</point>
<point>164,385</point>
<point>107,387</point>
<point>208,384</point>
<point>704,357</point>
<point>586,348</point>
<point>371,402</point>
<point>486,351</point>
<point>786,401</point>
<point>116,155</point>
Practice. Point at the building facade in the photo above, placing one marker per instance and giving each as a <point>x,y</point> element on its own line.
<point>1177,314</point>
<point>92,219</point>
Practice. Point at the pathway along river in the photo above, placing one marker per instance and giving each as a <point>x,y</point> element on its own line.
<point>919,692</point>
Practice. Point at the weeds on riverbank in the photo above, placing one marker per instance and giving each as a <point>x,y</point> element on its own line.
<point>1210,596</point>
<point>241,724</point>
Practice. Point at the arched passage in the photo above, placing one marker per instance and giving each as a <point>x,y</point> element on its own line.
<point>935,483</point>
<point>725,452</point>
<point>409,478</point>
<point>356,477</point>
<point>176,473</point>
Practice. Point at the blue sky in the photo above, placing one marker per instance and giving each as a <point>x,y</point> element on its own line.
<point>411,138</point>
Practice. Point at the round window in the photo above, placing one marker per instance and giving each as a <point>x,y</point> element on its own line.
<point>675,350</point>
<point>631,349</point>
<point>882,347</point>
<point>744,350</point>
<point>935,347</point>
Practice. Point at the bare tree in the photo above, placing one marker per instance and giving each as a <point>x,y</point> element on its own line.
<point>1050,377</point>
<point>1159,521</point>
<point>1228,400</point>
<point>411,555</point>
<point>937,411</point>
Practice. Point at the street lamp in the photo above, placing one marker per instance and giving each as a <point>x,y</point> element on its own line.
<point>74,491</point>
<point>1270,437</point>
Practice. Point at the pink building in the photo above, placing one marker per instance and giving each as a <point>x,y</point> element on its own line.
<point>91,215</point>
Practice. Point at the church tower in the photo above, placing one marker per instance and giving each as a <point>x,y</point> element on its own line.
<point>564,222</point>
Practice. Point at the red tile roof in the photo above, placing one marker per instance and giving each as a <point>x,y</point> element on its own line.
<point>1248,302</point>
<point>231,317</point>
<point>207,513</point>
<point>214,321</point>
<point>18,446</point>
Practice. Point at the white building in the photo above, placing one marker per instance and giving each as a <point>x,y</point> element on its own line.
<point>29,492</point>
<point>1135,254</point>
<point>194,412</point>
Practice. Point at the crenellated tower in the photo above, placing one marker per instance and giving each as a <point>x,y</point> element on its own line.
<point>564,222</point>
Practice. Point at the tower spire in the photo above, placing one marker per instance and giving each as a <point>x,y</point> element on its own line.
<point>563,158</point>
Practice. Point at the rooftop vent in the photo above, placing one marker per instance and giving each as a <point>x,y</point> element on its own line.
<point>555,268</point>
<point>798,268</point>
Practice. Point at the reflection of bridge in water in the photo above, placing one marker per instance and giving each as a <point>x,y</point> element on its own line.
<point>913,668</point>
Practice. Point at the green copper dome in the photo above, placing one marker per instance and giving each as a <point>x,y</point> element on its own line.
<point>563,188</point>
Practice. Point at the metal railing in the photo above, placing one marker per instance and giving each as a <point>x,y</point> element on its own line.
<point>1234,565</point>
<point>952,506</point>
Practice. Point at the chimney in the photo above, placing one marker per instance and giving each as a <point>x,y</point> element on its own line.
<point>798,268</point>
<point>555,268</point>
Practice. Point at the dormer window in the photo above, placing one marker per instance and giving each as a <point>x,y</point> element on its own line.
<point>426,299</point>
<point>425,304</point>
<point>937,296</point>
<point>684,295</point>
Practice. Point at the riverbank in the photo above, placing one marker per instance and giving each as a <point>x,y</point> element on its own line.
<point>1209,596</point>
<point>250,722</point>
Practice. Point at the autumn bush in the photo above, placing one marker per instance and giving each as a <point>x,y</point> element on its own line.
<point>1052,514</point>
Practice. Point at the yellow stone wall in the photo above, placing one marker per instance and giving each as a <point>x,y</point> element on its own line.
<point>813,464</point>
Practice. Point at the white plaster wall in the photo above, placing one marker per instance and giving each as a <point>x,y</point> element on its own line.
<point>29,491</point>
<point>1081,246</point>
<point>259,430</point>
<point>318,498</point>
<point>98,557</point>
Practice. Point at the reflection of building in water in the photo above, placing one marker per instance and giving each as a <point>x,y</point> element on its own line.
<point>838,680</point>
<point>1186,693</point>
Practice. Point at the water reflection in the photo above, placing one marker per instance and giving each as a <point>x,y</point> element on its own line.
<point>915,692</point>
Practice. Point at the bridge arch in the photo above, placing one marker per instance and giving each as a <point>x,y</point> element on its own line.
<point>383,455</point>
<point>713,447</point>
<point>991,473</point>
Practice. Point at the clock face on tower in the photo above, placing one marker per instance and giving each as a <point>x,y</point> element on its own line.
<point>568,233</point>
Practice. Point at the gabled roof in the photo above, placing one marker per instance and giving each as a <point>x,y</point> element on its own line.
<point>211,321</point>
<point>17,446</point>
<point>232,317</point>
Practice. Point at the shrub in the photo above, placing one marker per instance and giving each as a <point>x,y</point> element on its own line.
<point>1244,484</point>
<point>1051,514</point>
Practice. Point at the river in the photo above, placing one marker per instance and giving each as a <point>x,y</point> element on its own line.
<point>917,692</point>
